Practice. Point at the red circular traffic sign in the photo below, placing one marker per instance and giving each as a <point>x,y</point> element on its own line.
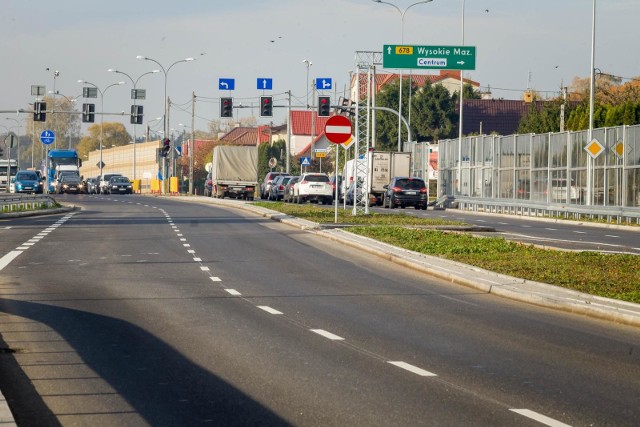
<point>338,129</point>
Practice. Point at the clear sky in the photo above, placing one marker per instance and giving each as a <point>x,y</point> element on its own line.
<point>541,44</point>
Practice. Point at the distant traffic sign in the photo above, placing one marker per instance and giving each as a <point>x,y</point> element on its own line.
<point>226,84</point>
<point>338,129</point>
<point>429,57</point>
<point>47,137</point>
<point>324,83</point>
<point>305,161</point>
<point>264,83</point>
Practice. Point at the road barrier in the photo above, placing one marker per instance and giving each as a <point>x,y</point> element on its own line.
<point>25,202</point>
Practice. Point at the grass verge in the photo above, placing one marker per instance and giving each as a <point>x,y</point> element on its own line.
<point>607,275</point>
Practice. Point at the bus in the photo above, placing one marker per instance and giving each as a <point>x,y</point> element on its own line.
<point>60,162</point>
<point>10,166</point>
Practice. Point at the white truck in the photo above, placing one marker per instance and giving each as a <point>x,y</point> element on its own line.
<point>234,172</point>
<point>382,166</point>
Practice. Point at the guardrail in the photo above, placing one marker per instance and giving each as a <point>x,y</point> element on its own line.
<point>25,202</point>
<point>612,214</point>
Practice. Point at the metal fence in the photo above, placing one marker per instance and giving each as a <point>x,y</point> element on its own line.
<point>24,202</point>
<point>555,169</point>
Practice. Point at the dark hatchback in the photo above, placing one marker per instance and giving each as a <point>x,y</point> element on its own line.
<point>406,191</point>
<point>120,185</point>
<point>69,184</point>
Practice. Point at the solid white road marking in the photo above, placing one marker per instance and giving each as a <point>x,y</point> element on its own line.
<point>540,418</point>
<point>327,334</point>
<point>414,369</point>
<point>233,292</point>
<point>5,260</point>
<point>269,309</point>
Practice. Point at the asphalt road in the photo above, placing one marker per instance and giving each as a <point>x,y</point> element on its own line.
<point>144,311</point>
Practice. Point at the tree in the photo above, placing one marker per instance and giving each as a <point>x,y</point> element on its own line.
<point>387,123</point>
<point>543,117</point>
<point>114,135</point>
<point>266,151</point>
<point>434,112</point>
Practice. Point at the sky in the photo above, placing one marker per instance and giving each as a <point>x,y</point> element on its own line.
<point>541,44</point>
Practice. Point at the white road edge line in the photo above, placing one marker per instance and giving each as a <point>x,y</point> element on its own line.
<point>269,309</point>
<point>327,334</point>
<point>540,418</point>
<point>414,369</point>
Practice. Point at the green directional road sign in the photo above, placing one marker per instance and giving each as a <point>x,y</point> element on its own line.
<point>429,57</point>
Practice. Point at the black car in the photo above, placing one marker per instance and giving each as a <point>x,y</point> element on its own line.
<point>119,185</point>
<point>69,184</point>
<point>406,191</point>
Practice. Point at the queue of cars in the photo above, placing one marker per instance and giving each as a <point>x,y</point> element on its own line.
<point>402,191</point>
<point>32,182</point>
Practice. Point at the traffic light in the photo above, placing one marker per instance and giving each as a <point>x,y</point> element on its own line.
<point>39,111</point>
<point>166,147</point>
<point>1,151</point>
<point>226,107</point>
<point>324,106</point>
<point>88,111</point>
<point>136,114</point>
<point>266,106</point>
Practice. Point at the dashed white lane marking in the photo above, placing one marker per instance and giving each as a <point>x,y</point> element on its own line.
<point>414,369</point>
<point>551,229</point>
<point>191,251</point>
<point>269,309</point>
<point>539,418</point>
<point>233,292</point>
<point>611,235</point>
<point>186,245</point>
<point>580,232</point>
<point>203,268</point>
<point>327,334</point>
<point>196,259</point>
<point>215,279</point>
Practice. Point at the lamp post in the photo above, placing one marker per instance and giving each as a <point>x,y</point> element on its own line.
<point>102,93</point>
<point>402,14</point>
<point>134,97</point>
<point>309,64</point>
<point>166,100</point>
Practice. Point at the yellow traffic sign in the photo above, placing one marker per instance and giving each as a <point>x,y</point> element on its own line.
<point>594,148</point>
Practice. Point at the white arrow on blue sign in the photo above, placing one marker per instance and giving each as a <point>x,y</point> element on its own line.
<point>226,84</point>
<point>47,137</point>
<point>324,84</point>
<point>305,161</point>
<point>264,83</point>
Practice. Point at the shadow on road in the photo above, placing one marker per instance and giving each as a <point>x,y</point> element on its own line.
<point>159,383</point>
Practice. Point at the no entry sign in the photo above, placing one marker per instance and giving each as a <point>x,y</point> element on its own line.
<point>338,129</point>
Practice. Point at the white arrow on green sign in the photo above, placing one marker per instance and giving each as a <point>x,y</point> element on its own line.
<point>429,57</point>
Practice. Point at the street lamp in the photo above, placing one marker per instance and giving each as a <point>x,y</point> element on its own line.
<point>134,97</point>
<point>102,93</point>
<point>309,64</point>
<point>402,14</point>
<point>166,100</point>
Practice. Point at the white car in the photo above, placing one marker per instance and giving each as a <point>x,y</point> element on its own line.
<point>313,187</point>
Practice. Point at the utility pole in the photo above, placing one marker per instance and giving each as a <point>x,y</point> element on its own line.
<point>288,156</point>
<point>192,145</point>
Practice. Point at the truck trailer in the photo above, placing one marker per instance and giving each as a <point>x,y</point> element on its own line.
<point>381,166</point>
<point>234,172</point>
